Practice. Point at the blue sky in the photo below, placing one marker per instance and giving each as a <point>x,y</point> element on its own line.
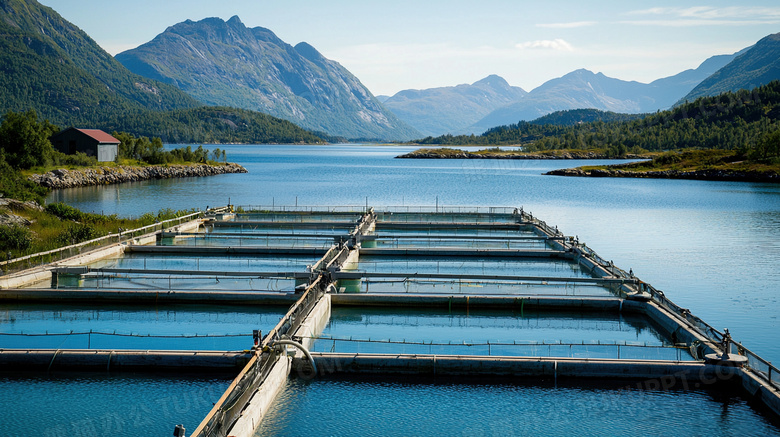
<point>399,44</point>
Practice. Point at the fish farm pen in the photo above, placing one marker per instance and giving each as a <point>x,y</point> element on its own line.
<point>258,320</point>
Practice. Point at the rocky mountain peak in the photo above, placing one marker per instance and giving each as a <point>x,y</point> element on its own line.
<point>227,64</point>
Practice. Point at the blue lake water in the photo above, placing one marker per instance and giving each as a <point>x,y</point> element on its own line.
<point>166,327</point>
<point>491,332</point>
<point>88,405</point>
<point>404,408</point>
<point>713,247</point>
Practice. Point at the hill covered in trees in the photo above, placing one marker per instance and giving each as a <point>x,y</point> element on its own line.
<point>755,66</point>
<point>211,125</point>
<point>53,67</point>
<point>49,65</point>
<point>588,115</point>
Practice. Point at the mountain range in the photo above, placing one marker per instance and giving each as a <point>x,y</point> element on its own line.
<point>50,65</point>
<point>225,63</point>
<point>448,109</point>
<point>751,67</point>
<point>576,90</point>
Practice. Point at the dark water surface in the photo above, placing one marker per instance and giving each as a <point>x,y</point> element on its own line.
<point>401,408</point>
<point>89,405</point>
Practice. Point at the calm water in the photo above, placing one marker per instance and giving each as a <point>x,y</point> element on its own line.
<point>490,332</point>
<point>86,405</point>
<point>713,247</point>
<point>412,409</point>
<point>177,327</point>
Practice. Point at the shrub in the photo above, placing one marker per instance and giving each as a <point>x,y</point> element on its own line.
<point>65,212</point>
<point>15,237</point>
<point>76,233</point>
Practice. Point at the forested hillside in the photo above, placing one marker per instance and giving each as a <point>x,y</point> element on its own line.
<point>52,67</point>
<point>211,125</point>
<point>755,66</point>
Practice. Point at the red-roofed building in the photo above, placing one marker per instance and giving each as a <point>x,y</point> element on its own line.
<point>92,142</point>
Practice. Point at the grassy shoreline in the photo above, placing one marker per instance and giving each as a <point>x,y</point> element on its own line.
<point>727,165</point>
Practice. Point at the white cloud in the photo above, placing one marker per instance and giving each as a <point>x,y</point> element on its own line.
<point>706,16</point>
<point>554,44</point>
<point>570,25</point>
<point>695,23</point>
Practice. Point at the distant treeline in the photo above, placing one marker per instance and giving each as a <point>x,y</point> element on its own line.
<point>742,120</point>
<point>211,125</point>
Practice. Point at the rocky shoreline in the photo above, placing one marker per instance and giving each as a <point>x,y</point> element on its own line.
<point>708,175</point>
<point>57,179</point>
<point>462,154</point>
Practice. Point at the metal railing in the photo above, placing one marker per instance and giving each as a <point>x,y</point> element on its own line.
<point>49,256</point>
<point>615,350</point>
<point>763,369</point>
<point>227,410</point>
<point>334,254</point>
<point>310,209</point>
<point>760,367</point>
<point>527,217</point>
<point>90,340</point>
<point>485,210</point>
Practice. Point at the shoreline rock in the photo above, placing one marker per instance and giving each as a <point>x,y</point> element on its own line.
<point>705,175</point>
<point>61,178</point>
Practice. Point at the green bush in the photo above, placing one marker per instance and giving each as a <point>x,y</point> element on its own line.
<point>15,186</point>
<point>153,152</point>
<point>25,140</point>
<point>76,233</point>
<point>65,212</point>
<point>15,237</point>
<point>78,159</point>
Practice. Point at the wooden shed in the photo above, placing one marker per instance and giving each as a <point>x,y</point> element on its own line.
<point>92,142</point>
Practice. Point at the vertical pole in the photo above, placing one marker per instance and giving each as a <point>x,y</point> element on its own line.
<point>769,373</point>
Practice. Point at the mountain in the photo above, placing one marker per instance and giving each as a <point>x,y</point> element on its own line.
<point>436,111</point>
<point>755,66</point>
<point>667,91</point>
<point>585,89</point>
<point>226,63</point>
<point>50,65</point>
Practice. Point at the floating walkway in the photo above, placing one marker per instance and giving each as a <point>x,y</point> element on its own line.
<point>411,265</point>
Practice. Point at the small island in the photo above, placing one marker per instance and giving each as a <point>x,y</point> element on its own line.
<point>730,137</point>
<point>713,165</point>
